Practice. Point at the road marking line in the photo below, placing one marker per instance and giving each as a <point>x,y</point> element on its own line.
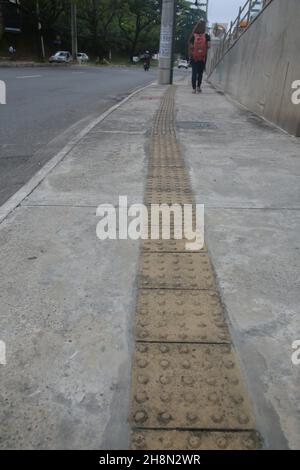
<point>29,76</point>
<point>15,200</point>
<point>102,131</point>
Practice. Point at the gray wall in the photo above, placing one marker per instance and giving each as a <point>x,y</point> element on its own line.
<point>259,69</point>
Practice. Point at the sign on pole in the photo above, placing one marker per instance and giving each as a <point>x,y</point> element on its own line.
<point>167,32</point>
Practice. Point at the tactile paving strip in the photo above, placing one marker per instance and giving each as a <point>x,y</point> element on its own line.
<point>194,440</point>
<point>188,386</point>
<point>154,208</point>
<point>180,316</point>
<point>167,246</point>
<point>178,271</point>
<point>165,152</point>
<point>167,174</point>
<point>168,197</point>
<point>187,390</point>
<point>176,185</point>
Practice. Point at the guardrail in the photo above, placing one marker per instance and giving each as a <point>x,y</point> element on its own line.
<point>247,14</point>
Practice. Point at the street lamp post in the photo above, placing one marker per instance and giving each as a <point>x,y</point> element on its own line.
<point>74,30</point>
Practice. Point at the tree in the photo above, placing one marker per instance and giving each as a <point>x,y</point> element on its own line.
<point>49,11</point>
<point>46,15</point>
<point>186,18</point>
<point>95,19</point>
<point>127,26</point>
<point>137,20</point>
<point>1,21</point>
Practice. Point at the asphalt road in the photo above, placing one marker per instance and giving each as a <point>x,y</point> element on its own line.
<point>46,106</point>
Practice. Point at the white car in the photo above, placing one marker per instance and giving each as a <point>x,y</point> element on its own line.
<point>61,57</point>
<point>82,57</point>
<point>183,64</point>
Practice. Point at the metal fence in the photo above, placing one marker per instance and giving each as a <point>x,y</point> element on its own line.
<point>246,16</point>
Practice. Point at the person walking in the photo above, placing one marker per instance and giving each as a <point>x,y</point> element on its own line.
<point>199,43</point>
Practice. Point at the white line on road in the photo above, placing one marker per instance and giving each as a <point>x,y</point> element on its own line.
<point>104,131</point>
<point>15,200</point>
<point>29,76</point>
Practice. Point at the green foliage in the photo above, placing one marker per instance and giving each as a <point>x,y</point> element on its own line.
<point>139,24</point>
<point>121,26</point>
<point>48,12</point>
<point>187,17</point>
<point>1,22</point>
<point>97,24</point>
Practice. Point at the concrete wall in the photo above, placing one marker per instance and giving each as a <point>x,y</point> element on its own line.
<point>258,71</point>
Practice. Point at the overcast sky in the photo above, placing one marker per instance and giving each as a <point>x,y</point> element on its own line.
<point>223,11</point>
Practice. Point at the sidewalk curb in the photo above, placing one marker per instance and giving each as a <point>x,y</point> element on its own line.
<point>6,65</point>
<point>15,200</point>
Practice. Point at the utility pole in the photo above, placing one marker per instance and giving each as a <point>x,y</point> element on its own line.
<point>74,30</point>
<point>40,29</point>
<point>206,10</point>
<point>167,37</point>
<point>1,21</point>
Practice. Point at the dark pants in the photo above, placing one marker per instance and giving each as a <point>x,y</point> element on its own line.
<point>197,73</point>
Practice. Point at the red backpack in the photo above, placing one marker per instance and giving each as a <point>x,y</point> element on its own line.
<point>200,47</point>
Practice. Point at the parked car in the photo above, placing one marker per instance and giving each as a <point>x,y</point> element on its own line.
<point>61,57</point>
<point>82,57</point>
<point>183,64</point>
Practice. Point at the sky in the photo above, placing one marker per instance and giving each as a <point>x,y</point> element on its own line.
<point>223,11</point>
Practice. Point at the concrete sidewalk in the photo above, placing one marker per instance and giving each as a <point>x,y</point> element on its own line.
<point>247,174</point>
<point>67,299</point>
